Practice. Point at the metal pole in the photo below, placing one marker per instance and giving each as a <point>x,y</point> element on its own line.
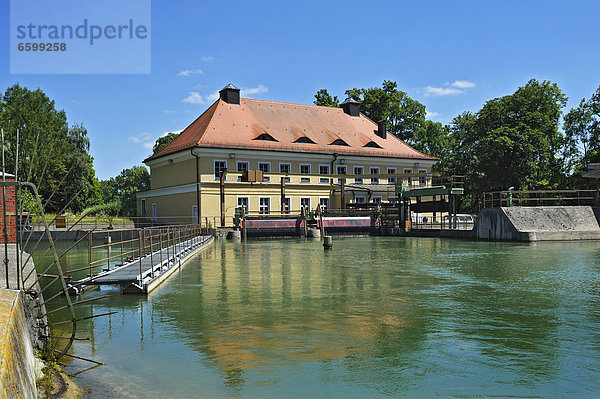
<point>161,246</point>
<point>283,195</point>
<point>4,215</point>
<point>222,192</point>
<point>90,251</point>
<point>108,242</point>
<point>151,257</point>
<point>122,260</point>
<point>17,218</point>
<point>140,248</point>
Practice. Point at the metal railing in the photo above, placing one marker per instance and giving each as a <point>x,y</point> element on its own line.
<point>130,245</point>
<point>540,198</point>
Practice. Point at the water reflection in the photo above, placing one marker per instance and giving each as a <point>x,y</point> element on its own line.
<point>374,316</point>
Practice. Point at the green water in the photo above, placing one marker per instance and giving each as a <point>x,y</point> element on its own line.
<point>374,317</point>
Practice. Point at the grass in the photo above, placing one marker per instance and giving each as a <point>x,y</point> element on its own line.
<point>87,219</point>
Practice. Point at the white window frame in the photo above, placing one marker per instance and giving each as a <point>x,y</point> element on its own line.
<point>362,197</point>
<point>265,178</point>
<point>289,206</point>
<point>154,211</point>
<point>337,170</point>
<point>376,199</point>
<point>374,180</point>
<point>358,180</point>
<point>287,178</point>
<point>237,168</point>
<point>324,180</point>
<point>215,168</point>
<point>247,202</point>
<point>261,206</point>
<point>392,171</point>
<point>422,179</point>
<point>328,203</point>
<point>309,201</point>
<point>305,179</point>
<point>143,207</point>
<point>194,213</point>
<point>409,179</point>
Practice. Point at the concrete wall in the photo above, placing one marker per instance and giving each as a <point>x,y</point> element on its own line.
<point>547,223</point>
<point>17,369</point>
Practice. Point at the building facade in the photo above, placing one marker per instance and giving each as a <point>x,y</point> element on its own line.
<point>305,156</point>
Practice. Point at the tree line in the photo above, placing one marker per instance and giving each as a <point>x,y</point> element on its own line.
<point>520,140</point>
<point>55,157</point>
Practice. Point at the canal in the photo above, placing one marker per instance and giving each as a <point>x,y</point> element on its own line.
<point>374,317</point>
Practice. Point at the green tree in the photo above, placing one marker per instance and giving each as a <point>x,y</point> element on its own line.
<point>127,184</point>
<point>432,138</point>
<point>323,98</point>
<point>512,141</point>
<point>51,155</point>
<point>403,115</point>
<point>163,141</point>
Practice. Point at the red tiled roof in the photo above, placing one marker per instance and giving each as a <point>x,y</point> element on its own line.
<point>226,125</point>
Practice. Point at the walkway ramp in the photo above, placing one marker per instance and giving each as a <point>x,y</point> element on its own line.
<point>144,274</point>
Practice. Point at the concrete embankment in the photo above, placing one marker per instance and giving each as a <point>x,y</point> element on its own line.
<point>17,371</point>
<point>547,223</point>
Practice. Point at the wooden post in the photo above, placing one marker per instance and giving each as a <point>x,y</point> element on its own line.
<point>222,191</point>
<point>283,195</point>
<point>343,193</point>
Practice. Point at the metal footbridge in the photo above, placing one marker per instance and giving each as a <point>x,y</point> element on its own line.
<point>138,260</point>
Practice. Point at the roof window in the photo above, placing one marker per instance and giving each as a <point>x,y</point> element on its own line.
<point>372,144</point>
<point>340,142</point>
<point>265,137</point>
<point>304,140</point>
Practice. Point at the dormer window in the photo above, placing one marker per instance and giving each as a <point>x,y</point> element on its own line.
<point>372,144</point>
<point>304,140</point>
<point>340,142</point>
<point>265,137</point>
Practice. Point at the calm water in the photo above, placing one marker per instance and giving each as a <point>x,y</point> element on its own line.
<point>374,317</point>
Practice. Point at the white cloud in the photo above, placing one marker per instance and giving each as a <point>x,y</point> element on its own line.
<point>168,111</point>
<point>208,58</point>
<point>144,139</point>
<point>190,72</point>
<point>171,131</point>
<point>462,84</point>
<point>432,114</point>
<point>441,91</point>
<point>254,90</point>
<point>448,89</point>
<point>196,98</point>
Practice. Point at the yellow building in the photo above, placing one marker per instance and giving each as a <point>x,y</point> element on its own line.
<point>308,155</point>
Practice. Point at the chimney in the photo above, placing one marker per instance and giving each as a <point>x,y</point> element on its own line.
<point>351,106</point>
<point>230,94</point>
<point>381,131</point>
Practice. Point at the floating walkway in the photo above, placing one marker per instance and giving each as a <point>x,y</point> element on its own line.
<point>144,273</point>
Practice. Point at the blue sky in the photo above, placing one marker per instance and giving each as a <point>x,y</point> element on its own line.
<point>450,55</point>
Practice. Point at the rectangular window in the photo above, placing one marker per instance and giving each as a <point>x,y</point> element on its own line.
<point>305,203</point>
<point>285,169</point>
<point>341,170</point>
<point>358,170</point>
<point>324,203</point>
<point>305,170</point>
<point>374,171</point>
<point>154,211</point>
<point>265,167</point>
<point>264,205</point>
<point>324,170</point>
<point>194,213</point>
<point>391,171</point>
<point>242,166</point>
<point>285,207</point>
<point>422,179</point>
<point>143,206</point>
<point>360,199</point>
<point>219,167</point>
<point>409,179</point>
<point>244,202</point>
<point>376,200</point>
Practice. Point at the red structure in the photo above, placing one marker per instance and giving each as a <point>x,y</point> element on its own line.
<point>11,211</point>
